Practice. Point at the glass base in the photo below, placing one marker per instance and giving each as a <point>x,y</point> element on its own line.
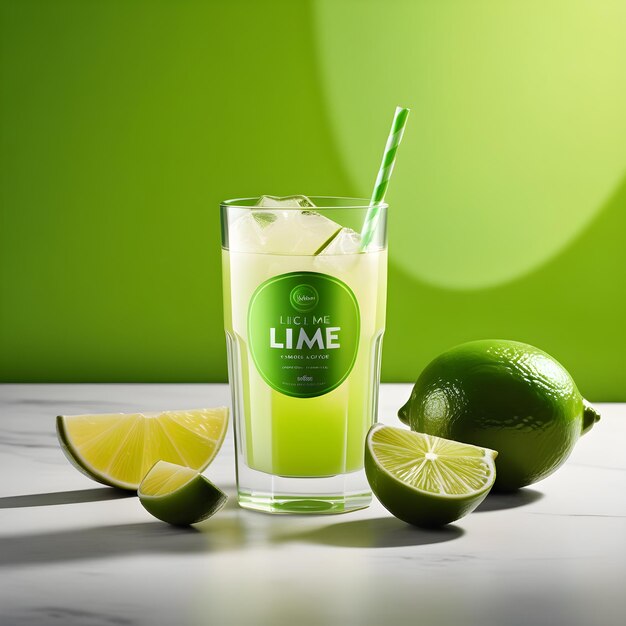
<point>311,495</point>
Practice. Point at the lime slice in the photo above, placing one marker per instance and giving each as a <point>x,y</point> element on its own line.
<point>179,495</point>
<point>426,480</point>
<point>118,449</point>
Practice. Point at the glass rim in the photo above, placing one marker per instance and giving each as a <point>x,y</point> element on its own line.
<point>352,203</point>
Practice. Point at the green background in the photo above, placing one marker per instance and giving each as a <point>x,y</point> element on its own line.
<point>125,122</point>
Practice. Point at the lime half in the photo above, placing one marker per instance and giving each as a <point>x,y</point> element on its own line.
<point>179,495</point>
<point>425,480</point>
<point>119,449</point>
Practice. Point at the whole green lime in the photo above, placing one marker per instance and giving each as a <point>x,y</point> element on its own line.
<point>506,396</point>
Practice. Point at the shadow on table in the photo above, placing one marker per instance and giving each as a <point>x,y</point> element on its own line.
<point>120,540</point>
<point>63,497</point>
<point>85,495</point>
<point>510,500</point>
<point>382,532</point>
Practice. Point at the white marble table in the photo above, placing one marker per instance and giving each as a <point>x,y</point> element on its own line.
<point>75,552</point>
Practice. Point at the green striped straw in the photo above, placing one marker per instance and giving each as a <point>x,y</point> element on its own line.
<point>384,174</point>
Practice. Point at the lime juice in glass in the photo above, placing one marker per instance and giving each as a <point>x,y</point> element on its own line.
<point>304,311</point>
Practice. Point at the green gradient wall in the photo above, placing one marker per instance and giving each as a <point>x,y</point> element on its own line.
<point>124,122</point>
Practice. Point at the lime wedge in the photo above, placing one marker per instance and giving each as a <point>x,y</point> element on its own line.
<point>118,449</point>
<point>425,480</point>
<point>179,495</point>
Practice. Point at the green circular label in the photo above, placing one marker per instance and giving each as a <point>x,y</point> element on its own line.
<point>303,332</point>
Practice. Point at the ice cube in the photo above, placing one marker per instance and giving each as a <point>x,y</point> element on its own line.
<point>347,241</point>
<point>248,233</point>
<point>300,232</point>
<point>286,202</point>
<point>273,226</point>
<point>341,251</point>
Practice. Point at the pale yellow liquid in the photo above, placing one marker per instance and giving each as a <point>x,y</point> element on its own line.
<point>305,437</point>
